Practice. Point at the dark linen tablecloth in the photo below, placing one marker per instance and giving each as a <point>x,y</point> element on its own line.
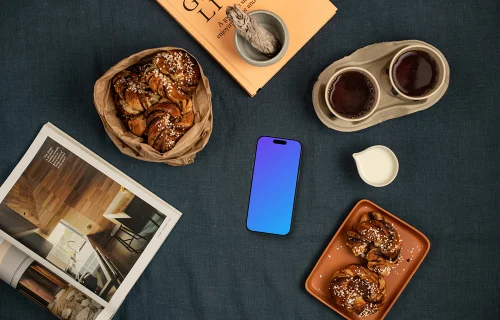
<point>211,267</point>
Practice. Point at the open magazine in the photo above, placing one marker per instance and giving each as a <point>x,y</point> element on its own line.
<point>75,232</point>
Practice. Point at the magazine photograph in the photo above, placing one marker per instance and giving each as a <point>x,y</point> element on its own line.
<point>79,219</point>
<point>43,287</point>
<point>81,229</point>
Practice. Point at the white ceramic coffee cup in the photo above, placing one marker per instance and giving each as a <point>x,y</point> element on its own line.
<point>370,77</point>
<point>440,64</point>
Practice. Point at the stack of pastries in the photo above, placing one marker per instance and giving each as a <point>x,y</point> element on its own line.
<point>154,99</point>
<point>361,289</point>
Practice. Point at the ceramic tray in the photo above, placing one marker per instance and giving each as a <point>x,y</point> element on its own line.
<point>376,59</point>
<point>337,255</point>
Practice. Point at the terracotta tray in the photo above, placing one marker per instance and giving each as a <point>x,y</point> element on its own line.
<point>376,59</point>
<point>337,255</point>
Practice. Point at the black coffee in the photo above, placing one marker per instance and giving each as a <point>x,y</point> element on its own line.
<point>415,73</point>
<point>352,95</point>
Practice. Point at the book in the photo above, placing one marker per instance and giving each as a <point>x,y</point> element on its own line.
<point>75,232</point>
<point>206,21</point>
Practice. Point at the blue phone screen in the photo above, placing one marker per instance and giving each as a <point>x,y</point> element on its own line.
<point>275,175</point>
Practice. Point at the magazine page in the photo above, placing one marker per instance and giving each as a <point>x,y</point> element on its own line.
<point>43,287</point>
<point>90,224</point>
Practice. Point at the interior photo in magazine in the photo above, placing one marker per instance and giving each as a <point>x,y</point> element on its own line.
<point>43,287</point>
<point>78,219</point>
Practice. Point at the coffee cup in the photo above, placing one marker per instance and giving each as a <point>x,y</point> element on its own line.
<point>352,94</point>
<point>417,72</point>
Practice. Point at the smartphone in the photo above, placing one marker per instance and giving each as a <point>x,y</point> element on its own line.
<point>274,181</point>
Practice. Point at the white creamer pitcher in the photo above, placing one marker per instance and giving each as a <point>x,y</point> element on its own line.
<point>378,166</point>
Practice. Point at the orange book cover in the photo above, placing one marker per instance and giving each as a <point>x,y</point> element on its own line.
<point>206,21</point>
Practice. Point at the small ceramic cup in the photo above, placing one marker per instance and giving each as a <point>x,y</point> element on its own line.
<point>441,71</point>
<point>272,23</point>
<point>370,77</point>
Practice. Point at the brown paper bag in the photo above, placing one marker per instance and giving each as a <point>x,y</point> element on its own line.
<point>188,145</point>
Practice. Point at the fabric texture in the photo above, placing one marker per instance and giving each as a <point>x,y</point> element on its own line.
<point>211,267</point>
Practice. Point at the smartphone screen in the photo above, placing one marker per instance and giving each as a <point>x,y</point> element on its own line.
<point>275,176</point>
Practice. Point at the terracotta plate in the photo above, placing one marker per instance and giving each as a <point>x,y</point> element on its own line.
<point>337,255</point>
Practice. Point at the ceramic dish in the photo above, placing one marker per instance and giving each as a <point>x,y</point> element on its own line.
<point>272,23</point>
<point>337,255</point>
<point>375,58</point>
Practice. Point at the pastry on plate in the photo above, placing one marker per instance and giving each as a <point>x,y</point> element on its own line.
<point>358,290</point>
<point>376,240</point>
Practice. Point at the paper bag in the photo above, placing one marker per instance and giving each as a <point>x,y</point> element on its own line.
<point>188,145</point>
